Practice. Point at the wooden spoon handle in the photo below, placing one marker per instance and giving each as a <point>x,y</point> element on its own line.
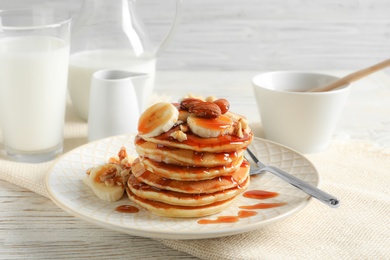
<point>352,77</point>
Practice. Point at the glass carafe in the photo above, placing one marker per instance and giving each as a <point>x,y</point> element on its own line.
<point>109,35</point>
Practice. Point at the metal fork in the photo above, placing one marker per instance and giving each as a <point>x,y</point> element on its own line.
<point>304,186</point>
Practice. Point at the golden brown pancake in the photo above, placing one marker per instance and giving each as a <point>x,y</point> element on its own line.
<point>146,191</point>
<point>175,211</point>
<point>195,167</point>
<point>220,144</point>
<point>193,187</point>
<point>184,157</point>
<point>189,173</point>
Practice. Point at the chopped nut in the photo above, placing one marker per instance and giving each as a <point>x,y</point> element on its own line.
<point>240,125</point>
<point>239,133</point>
<point>125,173</point>
<point>122,153</point>
<point>236,130</point>
<point>113,160</point>
<point>190,95</point>
<point>210,99</point>
<point>184,128</point>
<point>179,135</point>
<point>244,122</point>
<point>109,174</point>
<point>235,117</point>
<point>126,162</point>
<point>89,170</point>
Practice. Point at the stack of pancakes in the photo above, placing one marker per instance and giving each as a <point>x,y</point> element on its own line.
<point>190,176</point>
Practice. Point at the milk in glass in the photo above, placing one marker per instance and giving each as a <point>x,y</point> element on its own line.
<point>33,83</point>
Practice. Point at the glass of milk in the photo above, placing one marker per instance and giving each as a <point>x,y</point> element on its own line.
<point>34,58</point>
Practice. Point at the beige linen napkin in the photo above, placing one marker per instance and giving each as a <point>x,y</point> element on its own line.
<point>358,174</point>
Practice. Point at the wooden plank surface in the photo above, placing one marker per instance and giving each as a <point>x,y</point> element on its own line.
<point>33,227</point>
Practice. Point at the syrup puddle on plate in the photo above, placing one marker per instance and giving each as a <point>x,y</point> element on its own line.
<point>252,194</point>
<point>126,209</point>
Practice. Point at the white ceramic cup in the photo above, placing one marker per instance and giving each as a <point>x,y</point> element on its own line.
<point>113,105</point>
<point>290,116</point>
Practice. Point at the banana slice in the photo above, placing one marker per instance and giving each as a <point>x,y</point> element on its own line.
<point>157,119</point>
<point>209,127</point>
<point>104,182</point>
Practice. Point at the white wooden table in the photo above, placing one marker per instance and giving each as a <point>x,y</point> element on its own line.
<point>31,226</point>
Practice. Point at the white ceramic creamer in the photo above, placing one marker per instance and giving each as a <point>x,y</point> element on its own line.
<point>82,65</point>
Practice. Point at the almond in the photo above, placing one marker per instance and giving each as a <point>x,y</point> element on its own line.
<point>187,103</point>
<point>223,105</point>
<point>205,110</point>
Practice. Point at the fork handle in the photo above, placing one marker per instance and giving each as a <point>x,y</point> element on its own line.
<point>304,186</point>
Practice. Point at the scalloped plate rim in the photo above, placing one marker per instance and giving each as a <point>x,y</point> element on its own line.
<point>163,234</point>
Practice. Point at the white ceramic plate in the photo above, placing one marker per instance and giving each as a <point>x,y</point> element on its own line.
<point>67,190</point>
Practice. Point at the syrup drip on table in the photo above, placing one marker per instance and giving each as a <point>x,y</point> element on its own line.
<point>127,209</point>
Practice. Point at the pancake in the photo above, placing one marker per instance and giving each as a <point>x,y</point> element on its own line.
<point>146,191</point>
<point>190,160</point>
<point>220,144</point>
<point>184,157</point>
<point>189,173</point>
<point>175,211</point>
<point>192,187</point>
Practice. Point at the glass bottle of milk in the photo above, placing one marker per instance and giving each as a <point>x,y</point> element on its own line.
<point>109,35</point>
